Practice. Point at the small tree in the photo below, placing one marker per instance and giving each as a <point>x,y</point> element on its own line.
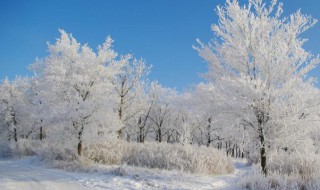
<point>14,114</point>
<point>161,110</point>
<point>128,86</point>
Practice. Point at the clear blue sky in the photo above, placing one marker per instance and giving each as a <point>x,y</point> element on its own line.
<point>160,31</point>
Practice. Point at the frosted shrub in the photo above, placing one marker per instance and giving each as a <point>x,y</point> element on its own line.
<point>24,147</point>
<point>177,157</point>
<point>59,155</point>
<point>107,153</point>
<point>255,180</point>
<point>163,156</point>
<point>275,180</point>
<point>57,152</point>
<point>304,165</point>
<point>47,150</point>
<point>286,172</point>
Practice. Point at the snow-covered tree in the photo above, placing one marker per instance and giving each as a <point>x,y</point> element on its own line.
<point>139,125</point>
<point>257,64</point>
<point>129,89</point>
<point>77,89</point>
<point>162,110</point>
<point>14,109</point>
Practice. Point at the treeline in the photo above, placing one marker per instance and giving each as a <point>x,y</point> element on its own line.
<point>80,97</point>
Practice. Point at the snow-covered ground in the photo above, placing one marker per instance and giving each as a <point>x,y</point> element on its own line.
<point>31,174</point>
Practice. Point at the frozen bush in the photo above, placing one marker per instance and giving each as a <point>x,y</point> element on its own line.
<point>107,153</point>
<point>57,155</point>
<point>56,152</point>
<point>274,181</point>
<point>254,180</point>
<point>24,147</point>
<point>286,172</point>
<point>163,156</point>
<point>178,157</point>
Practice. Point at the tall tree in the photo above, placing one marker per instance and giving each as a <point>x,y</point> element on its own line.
<point>77,88</point>
<point>256,63</point>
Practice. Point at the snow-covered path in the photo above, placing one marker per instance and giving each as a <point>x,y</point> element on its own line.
<point>27,174</point>
<point>31,174</point>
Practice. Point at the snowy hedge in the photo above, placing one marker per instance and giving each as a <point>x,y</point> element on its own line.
<point>192,159</point>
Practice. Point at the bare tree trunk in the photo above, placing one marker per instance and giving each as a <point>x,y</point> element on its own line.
<point>80,148</point>
<point>41,134</point>
<point>122,94</point>
<point>80,141</point>
<point>15,136</point>
<point>236,149</point>
<point>263,151</point>
<point>209,140</point>
<point>232,152</point>
<point>209,133</point>
<point>227,147</point>
<point>159,135</point>
<point>140,135</point>
<point>120,131</point>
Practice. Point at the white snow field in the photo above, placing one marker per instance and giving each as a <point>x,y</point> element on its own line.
<point>32,174</point>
